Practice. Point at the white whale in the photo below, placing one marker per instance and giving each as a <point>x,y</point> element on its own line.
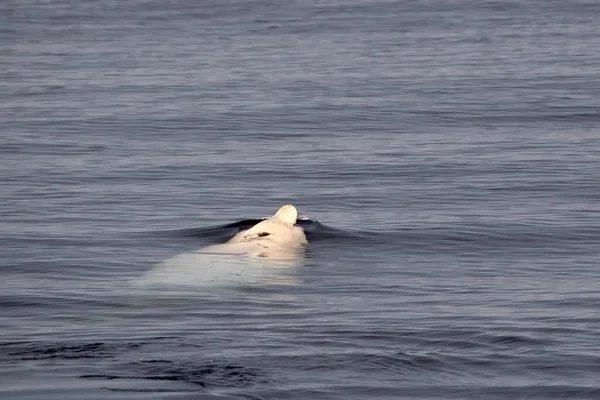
<point>264,253</point>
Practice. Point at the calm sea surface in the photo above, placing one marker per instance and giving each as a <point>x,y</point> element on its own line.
<point>446,155</point>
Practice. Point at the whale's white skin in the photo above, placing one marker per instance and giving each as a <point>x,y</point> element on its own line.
<point>275,237</point>
<point>259,254</point>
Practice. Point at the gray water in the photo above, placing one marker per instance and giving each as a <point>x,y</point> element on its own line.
<point>446,155</point>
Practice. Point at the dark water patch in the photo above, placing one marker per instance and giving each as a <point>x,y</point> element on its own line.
<point>143,390</point>
<point>480,337</point>
<point>205,374</point>
<point>50,149</point>
<point>380,363</point>
<point>97,350</point>
<point>446,339</point>
<point>21,302</point>
<point>460,391</point>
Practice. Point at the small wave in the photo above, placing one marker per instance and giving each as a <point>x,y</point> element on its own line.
<point>315,231</point>
<point>458,238</point>
<point>69,352</point>
<point>204,374</point>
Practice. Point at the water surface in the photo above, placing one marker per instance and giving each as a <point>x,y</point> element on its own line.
<point>450,154</point>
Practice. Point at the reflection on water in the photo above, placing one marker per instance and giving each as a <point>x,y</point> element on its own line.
<point>227,264</point>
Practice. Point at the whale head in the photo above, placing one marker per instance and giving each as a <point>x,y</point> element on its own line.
<point>279,230</point>
<point>287,214</point>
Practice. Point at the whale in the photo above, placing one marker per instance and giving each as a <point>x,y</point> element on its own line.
<point>265,252</point>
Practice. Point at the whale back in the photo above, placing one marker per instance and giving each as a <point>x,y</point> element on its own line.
<point>279,230</point>
<point>257,254</point>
